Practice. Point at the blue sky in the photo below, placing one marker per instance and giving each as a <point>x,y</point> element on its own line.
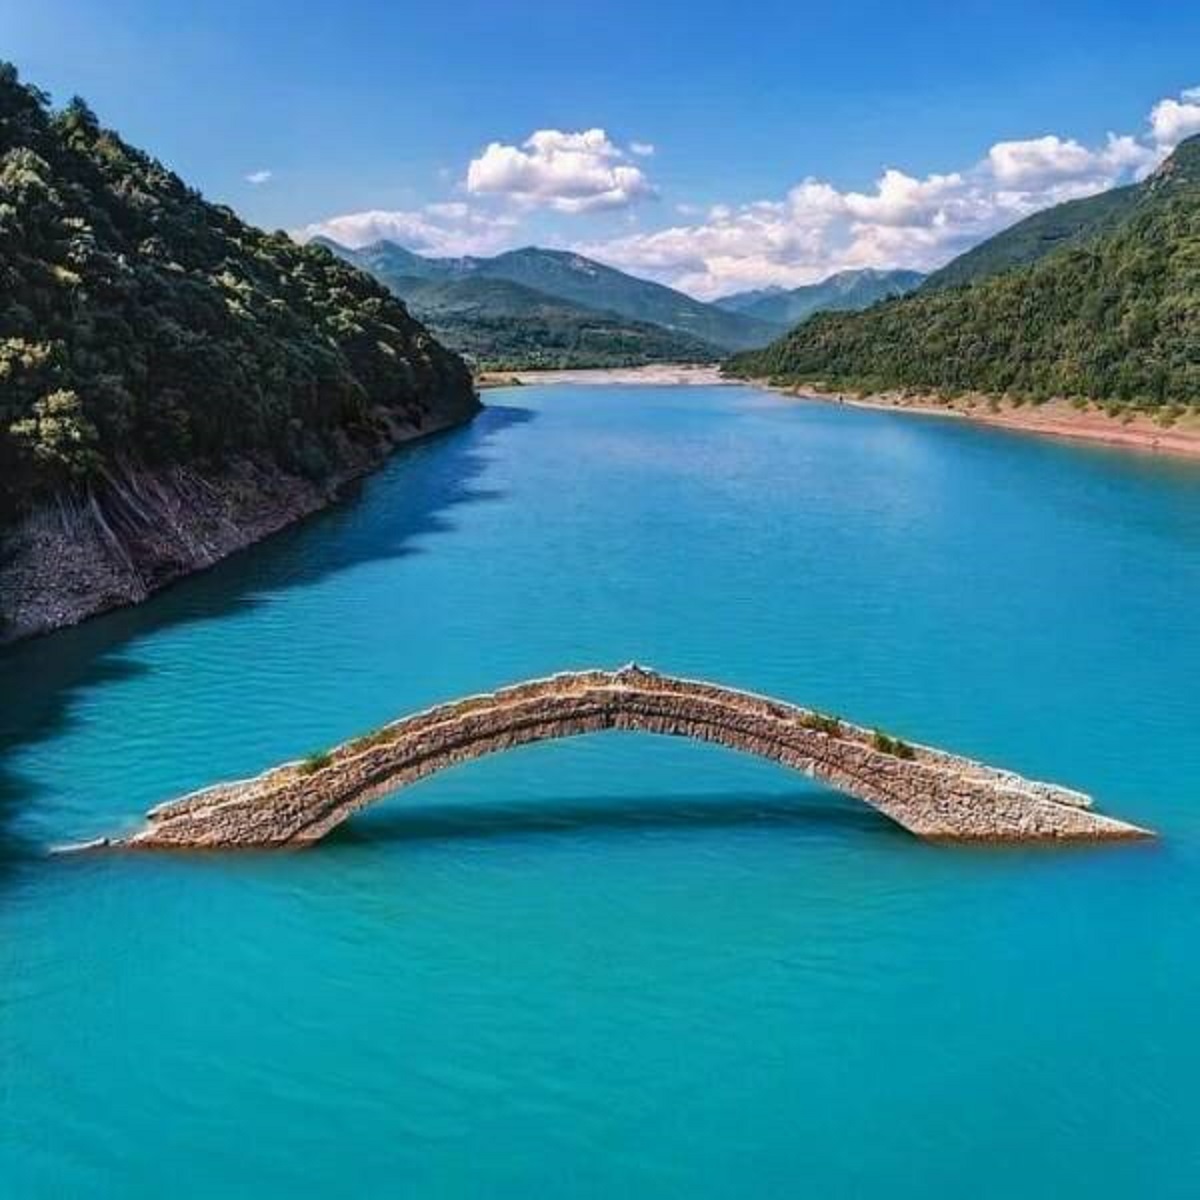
<point>383,108</point>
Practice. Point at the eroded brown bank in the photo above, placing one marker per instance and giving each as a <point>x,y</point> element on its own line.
<point>932,794</point>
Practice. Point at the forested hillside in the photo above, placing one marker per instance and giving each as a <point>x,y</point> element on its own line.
<point>501,325</point>
<point>1115,317</point>
<point>140,325</point>
<point>174,384</point>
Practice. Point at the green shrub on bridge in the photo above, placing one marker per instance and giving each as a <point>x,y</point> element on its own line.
<point>823,723</point>
<point>886,744</point>
<point>318,760</point>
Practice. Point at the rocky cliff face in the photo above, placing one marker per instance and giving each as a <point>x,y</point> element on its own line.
<point>79,555</point>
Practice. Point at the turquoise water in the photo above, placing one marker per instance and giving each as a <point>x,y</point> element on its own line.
<point>623,965</point>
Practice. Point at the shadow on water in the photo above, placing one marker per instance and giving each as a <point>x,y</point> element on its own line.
<point>40,680</point>
<point>813,808</point>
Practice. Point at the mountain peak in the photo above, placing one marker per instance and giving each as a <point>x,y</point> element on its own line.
<point>845,290</point>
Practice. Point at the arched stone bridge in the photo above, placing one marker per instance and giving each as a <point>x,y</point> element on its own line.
<point>929,792</point>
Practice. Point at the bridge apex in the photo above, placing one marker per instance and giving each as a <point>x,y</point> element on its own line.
<point>633,672</point>
<point>931,793</point>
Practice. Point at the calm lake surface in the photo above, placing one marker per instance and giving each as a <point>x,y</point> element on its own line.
<point>624,965</point>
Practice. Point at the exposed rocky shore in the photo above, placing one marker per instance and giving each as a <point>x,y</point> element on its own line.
<point>83,555</point>
<point>1122,428</point>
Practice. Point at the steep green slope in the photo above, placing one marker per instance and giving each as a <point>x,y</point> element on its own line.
<point>500,324</point>
<point>1036,236</point>
<point>847,291</point>
<point>141,326</point>
<point>1114,317</point>
<point>583,281</point>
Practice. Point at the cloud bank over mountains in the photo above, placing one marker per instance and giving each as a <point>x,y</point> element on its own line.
<point>448,229</point>
<point>904,221</point>
<point>551,171</point>
<point>810,232</point>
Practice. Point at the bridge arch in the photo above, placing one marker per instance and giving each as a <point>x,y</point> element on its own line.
<point>929,792</point>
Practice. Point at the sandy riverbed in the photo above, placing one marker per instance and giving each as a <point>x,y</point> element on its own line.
<point>660,374</point>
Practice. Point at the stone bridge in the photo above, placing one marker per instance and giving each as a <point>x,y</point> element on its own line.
<point>929,792</point>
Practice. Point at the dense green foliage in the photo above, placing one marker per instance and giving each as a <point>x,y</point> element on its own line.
<point>501,325</point>
<point>887,744</point>
<point>141,325</point>
<point>594,291</point>
<point>318,760</point>
<point>822,723</point>
<point>847,291</point>
<point>1116,317</point>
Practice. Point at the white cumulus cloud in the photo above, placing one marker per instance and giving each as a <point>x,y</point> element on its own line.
<point>1046,161</point>
<point>901,200</point>
<point>1173,120</point>
<point>257,177</point>
<point>904,220</point>
<point>565,172</point>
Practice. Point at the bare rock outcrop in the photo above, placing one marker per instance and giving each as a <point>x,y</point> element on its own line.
<point>77,556</point>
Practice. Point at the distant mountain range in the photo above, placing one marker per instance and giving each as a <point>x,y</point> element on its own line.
<point>506,325</point>
<point>583,281</point>
<point>846,291</point>
<point>535,307</point>
<point>1094,299</point>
